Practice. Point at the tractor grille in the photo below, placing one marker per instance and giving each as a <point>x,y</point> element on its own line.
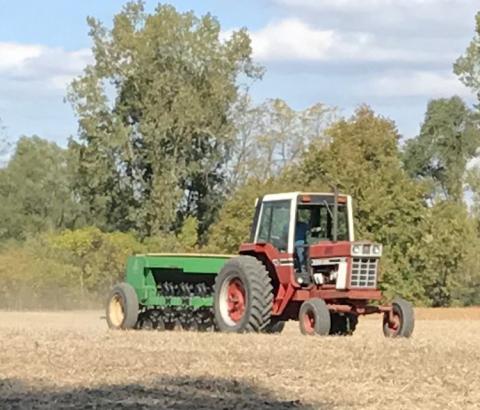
<point>364,273</point>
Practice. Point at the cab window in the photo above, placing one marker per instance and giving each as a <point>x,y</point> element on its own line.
<point>274,224</point>
<point>319,219</point>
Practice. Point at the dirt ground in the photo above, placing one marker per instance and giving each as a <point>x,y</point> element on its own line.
<point>70,360</point>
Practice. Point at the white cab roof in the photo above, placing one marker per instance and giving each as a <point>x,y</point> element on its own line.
<point>294,195</point>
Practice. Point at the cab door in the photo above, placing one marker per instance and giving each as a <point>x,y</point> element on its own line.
<point>274,225</point>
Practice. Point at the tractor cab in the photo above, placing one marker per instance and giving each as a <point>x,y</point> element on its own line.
<point>314,231</point>
<point>292,222</point>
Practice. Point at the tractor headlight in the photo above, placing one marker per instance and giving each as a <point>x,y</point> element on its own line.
<point>356,249</point>
<point>377,250</point>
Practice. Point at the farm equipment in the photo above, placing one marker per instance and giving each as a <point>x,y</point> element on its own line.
<point>301,262</point>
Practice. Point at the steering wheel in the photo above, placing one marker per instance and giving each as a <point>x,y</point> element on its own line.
<point>317,231</point>
<point>315,234</point>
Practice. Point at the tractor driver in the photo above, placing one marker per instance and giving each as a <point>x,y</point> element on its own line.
<point>301,229</point>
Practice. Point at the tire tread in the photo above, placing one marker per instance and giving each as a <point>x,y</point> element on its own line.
<point>261,292</point>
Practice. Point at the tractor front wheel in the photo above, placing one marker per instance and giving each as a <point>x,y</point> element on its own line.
<point>122,307</point>
<point>314,317</point>
<point>400,321</point>
<point>243,296</point>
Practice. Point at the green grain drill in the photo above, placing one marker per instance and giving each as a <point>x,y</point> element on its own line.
<point>172,291</point>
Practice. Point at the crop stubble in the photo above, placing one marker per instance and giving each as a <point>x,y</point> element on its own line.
<point>70,360</point>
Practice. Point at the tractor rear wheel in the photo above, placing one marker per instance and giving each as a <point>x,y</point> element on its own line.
<point>402,322</point>
<point>314,317</point>
<point>122,307</point>
<point>243,296</point>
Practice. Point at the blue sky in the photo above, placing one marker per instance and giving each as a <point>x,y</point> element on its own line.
<point>393,55</point>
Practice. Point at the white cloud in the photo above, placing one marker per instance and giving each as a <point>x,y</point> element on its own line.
<point>415,84</point>
<point>292,39</point>
<point>31,63</point>
<point>369,49</point>
<point>366,5</point>
<point>425,33</point>
<point>12,55</point>
<point>405,15</point>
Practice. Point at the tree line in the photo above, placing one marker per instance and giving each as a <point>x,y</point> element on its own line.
<point>171,153</point>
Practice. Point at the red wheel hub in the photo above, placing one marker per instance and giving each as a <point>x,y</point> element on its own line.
<point>236,299</point>
<point>309,322</point>
<point>393,323</point>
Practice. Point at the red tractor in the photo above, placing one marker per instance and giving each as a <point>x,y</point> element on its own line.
<point>303,263</point>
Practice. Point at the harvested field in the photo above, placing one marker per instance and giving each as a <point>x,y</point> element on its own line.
<point>70,360</point>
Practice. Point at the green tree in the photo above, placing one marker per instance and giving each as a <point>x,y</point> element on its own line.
<point>235,217</point>
<point>68,269</point>
<point>247,121</point>
<point>4,145</point>
<point>467,289</point>
<point>35,192</point>
<point>272,136</point>
<point>445,255</point>
<point>188,235</point>
<point>473,182</point>
<point>467,66</point>
<point>448,140</point>
<point>39,279</point>
<point>155,152</point>
<point>99,257</point>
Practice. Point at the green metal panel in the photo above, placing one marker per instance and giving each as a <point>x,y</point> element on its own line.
<point>189,263</point>
<point>135,271</point>
<point>140,270</point>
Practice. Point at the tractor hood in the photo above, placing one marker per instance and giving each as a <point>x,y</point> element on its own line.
<point>329,249</point>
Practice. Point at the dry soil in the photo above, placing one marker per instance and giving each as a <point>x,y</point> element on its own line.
<point>71,360</point>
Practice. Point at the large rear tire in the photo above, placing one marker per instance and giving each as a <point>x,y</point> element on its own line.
<point>122,307</point>
<point>314,317</point>
<point>243,296</point>
<point>403,321</point>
